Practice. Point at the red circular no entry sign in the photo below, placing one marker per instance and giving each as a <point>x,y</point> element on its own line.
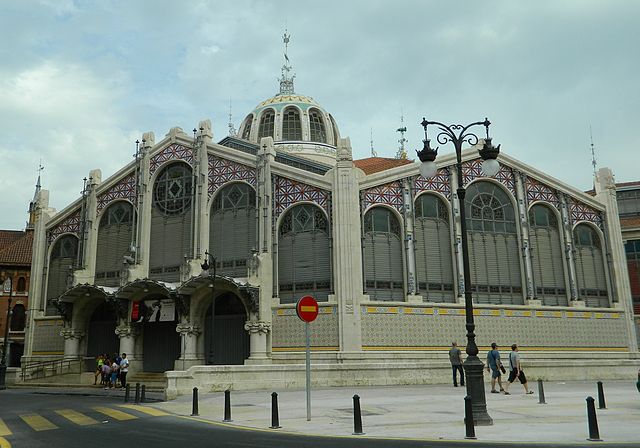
<point>307,309</point>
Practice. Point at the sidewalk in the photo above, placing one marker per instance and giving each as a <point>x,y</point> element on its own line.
<point>434,412</point>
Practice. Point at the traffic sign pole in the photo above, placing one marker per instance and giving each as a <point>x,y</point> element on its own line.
<point>307,311</point>
<point>308,371</point>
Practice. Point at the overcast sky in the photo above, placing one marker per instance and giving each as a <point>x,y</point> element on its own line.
<point>80,81</point>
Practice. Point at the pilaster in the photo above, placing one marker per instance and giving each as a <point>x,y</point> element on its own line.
<point>523,214</point>
<point>258,333</point>
<point>189,347</point>
<point>143,207</point>
<point>407,198</point>
<point>91,225</point>
<point>72,338</point>
<point>568,251</point>
<point>201,176</point>
<point>457,235</point>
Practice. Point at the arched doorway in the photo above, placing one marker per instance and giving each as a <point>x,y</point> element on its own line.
<point>231,341</point>
<point>161,342</point>
<point>101,337</point>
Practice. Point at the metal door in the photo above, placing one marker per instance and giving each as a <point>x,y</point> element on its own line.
<point>160,345</point>
<point>102,338</point>
<point>231,341</point>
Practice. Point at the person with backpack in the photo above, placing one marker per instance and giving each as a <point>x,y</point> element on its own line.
<point>494,365</point>
<point>516,371</point>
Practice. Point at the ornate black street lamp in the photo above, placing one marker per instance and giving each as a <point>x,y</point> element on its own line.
<point>5,349</point>
<point>205,267</point>
<point>459,134</point>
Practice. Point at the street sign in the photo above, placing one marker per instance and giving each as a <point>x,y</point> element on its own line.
<point>307,309</point>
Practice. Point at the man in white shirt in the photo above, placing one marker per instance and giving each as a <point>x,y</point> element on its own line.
<point>124,369</point>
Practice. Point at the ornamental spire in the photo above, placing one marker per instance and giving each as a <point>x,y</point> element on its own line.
<point>286,80</point>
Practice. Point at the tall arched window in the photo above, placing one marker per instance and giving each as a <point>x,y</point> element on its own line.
<point>383,260</point>
<point>592,284</point>
<point>335,130</point>
<point>171,222</point>
<point>246,130</point>
<point>304,254</point>
<point>18,318</point>
<point>291,125</point>
<point>60,270</point>
<point>232,234</point>
<point>434,265</point>
<point>114,242</point>
<point>316,126</point>
<point>494,256</point>
<point>265,129</point>
<point>22,285</point>
<point>546,256</point>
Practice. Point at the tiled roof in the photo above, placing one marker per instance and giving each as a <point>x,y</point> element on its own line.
<point>15,247</point>
<point>628,184</point>
<point>630,222</point>
<point>376,164</point>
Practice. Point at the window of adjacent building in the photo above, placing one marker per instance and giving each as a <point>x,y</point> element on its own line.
<point>291,125</point>
<point>60,269</point>
<point>434,265</point>
<point>590,268</point>
<point>22,285</point>
<point>246,130</point>
<point>628,202</point>
<point>114,242</point>
<point>632,248</point>
<point>232,232</point>
<point>546,252</point>
<point>494,254</point>
<point>383,257</point>
<point>304,254</point>
<point>316,126</point>
<point>265,129</point>
<point>18,318</point>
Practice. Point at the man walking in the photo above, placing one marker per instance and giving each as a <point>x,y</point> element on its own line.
<point>455,357</point>
<point>516,371</point>
<point>494,365</point>
<point>124,369</point>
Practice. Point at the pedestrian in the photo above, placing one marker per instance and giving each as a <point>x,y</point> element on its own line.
<point>455,357</point>
<point>114,374</point>
<point>516,371</point>
<point>124,369</point>
<point>99,362</point>
<point>494,365</point>
<point>117,359</point>
<point>106,373</point>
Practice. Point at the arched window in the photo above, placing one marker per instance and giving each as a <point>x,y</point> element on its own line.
<point>546,256</point>
<point>246,130</point>
<point>592,284</point>
<point>114,242</point>
<point>171,222</point>
<point>383,260</point>
<point>494,255</point>
<point>265,129</point>
<point>232,234</point>
<point>316,126</point>
<point>60,270</point>
<point>22,285</point>
<point>18,318</point>
<point>434,265</point>
<point>304,254</point>
<point>336,136</point>
<point>291,126</point>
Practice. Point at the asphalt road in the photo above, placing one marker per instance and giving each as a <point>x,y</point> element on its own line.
<point>34,419</point>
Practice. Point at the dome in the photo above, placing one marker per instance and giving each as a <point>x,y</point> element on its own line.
<point>298,125</point>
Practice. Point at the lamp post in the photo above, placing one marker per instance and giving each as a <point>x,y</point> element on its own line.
<point>205,267</point>
<point>3,361</point>
<point>459,134</point>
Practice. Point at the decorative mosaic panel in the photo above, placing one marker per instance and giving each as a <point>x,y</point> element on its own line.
<point>223,170</point>
<point>171,152</point>
<point>440,183</point>
<point>289,333</point>
<point>582,212</point>
<point>46,337</point>
<point>288,192</point>
<point>473,169</point>
<point>71,224</point>
<point>537,191</point>
<point>388,194</point>
<point>124,189</point>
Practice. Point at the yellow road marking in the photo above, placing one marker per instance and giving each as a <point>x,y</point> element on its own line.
<point>4,429</point>
<point>76,417</point>
<point>4,443</point>
<point>114,413</point>
<point>38,422</point>
<point>147,410</point>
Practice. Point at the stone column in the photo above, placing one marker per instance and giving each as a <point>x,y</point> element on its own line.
<point>258,332</point>
<point>568,250</point>
<point>523,212</point>
<point>409,242</point>
<point>188,345</point>
<point>457,232</point>
<point>90,245</point>
<point>127,333</point>
<point>143,207</point>
<point>72,337</point>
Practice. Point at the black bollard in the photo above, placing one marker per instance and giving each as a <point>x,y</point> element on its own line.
<point>594,434</point>
<point>468,419</point>
<point>357,416</point>
<point>143,394</point>
<point>227,406</point>
<point>275,420</point>
<point>601,402</point>
<point>137,393</point>
<point>194,406</point>
<point>541,392</point>
<point>127,393</point>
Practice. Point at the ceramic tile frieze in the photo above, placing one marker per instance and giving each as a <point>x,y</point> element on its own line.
<point>537,191</point>
<point>440,183</point>
<point>288,192</point>
<point>171,152</point>
<point>388,194</point>
<point>124,189</point>
<point>288,329</point>
<point>222,171</point>
<point>472,170</point>
<point>71,224</point>
<point>582,212</point>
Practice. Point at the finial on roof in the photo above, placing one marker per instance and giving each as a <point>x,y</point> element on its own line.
<point>373,151</point>
<point>34,201</point>
<point>593,153</point>
<point>286,81</point>
<point>402,152</point>
<point>232,128</point>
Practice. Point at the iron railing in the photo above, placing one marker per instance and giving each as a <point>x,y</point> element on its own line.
<point>42,369</point>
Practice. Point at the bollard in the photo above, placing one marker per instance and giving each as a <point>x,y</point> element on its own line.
<point>275,420</point>
<point>143,394</point>
<point>137,401</point>
<point>357,416</point>
<point>468,419</point>
<point>601,403</point>
<point>227,406</point>
<point>127,393</point>
<point>541,392</point>
<point>594,434</point>
<point>194,406</point>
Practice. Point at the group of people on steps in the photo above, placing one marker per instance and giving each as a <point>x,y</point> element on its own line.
<point>111,371</point>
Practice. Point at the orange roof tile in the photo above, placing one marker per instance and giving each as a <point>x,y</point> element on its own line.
<point>376,164</point>
<point>17,251</point>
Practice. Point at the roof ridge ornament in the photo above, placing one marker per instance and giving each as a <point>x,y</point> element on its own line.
<point>286,81</point>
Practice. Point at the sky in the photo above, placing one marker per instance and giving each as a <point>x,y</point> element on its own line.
<point>80,81</point>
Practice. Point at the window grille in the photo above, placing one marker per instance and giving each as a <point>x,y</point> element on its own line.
<point>172,194</point>
<point>114,242</point>
<point>589,260</point>
<point>61,264</point>
<point>265,129</point>
<point>291,125</point>
<point>316,126</point>
<point>246,130</point>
